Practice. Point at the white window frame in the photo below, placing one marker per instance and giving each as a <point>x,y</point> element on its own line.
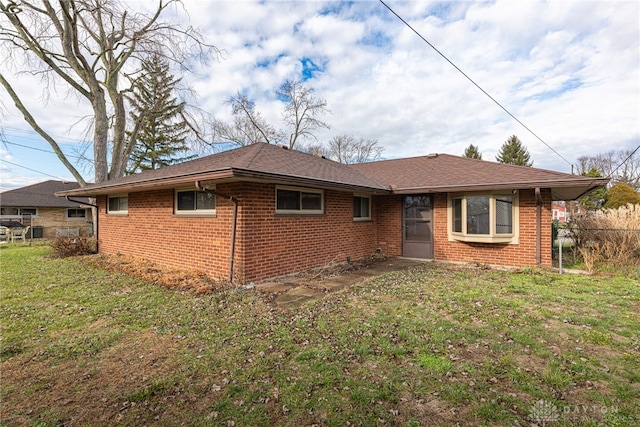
<point>492,237</point>
<point>76,218</point>
<point>20,213</point>
<point>362,197</point>
<point>300,211</point>
<point>192,212</point>
<point>119,211</point>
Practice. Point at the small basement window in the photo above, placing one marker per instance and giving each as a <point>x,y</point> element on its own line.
<point>294,200</point>
<point>192,202</point>
<point>482,217</point>
<point>361,207</point>
<point>76,213</point>
<point>118,204</point>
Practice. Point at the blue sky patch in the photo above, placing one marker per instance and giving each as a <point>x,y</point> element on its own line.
<point>310,68</point>
<point>567,86</point>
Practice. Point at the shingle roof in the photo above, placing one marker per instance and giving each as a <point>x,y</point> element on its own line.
<point>257,161</point>
<point>448,173</point>
<point>270,163</point>
<point>40,195</point>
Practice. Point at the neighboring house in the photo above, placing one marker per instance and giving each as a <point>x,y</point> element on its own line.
<point>559,212</point>
<point>37,207</point>
<point>262,211</point>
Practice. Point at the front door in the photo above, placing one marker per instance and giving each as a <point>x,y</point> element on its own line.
<point>417,239</point>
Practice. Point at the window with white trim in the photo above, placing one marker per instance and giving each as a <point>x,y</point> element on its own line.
<point>484,217</point>
<point>18,211</point>
<point>361,207</point>
<point>295,200</point>
<point>76,213</point>
<point>192,202</point>
<point>118,204</point>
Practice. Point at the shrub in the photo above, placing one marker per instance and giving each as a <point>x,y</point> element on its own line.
<point>609,236</point>
<point>73,246</point>
<point>620,195</point>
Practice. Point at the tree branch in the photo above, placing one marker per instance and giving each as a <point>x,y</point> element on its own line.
<point>32,122</point>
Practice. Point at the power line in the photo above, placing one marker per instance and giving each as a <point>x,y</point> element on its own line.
<point>623,162</point>
<point>33,170</point>
<point>474,83</point>
<point>41,149</point>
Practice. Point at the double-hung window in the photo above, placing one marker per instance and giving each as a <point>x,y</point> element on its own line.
<point>484,217</point>
<point>294,200</point>
<point>118,204</point>
<point>192,202</point>
<point>361,207</point>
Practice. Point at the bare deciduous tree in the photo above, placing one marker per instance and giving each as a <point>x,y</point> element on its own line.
<point>302,111</point>
<point>621,165</point>
<point>347,149</point>
<point>248,127</point>
<point>300,118</point>
<point>93,47</point>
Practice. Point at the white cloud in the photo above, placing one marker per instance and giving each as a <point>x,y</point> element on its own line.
<point>568,69</point>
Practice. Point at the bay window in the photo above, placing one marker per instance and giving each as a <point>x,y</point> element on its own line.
<point>483,217</point>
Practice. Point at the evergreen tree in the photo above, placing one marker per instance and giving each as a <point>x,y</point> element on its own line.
<point>595,198</point>
<point>472,152</point>
<point>160,128</point>
<point>514,153</point>
<point>621,194</point>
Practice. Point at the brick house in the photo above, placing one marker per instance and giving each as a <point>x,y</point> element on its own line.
<point>262,211</point>
<point>36,206</point>
<point>559,212</point>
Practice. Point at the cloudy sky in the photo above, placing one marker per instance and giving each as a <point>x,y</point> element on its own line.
<point>569,70</point>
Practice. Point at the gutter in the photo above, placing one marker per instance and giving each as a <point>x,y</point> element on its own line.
<point>232,249</point>
<point>538,226</point>
<point>95,229</point>
<point>592,182</point>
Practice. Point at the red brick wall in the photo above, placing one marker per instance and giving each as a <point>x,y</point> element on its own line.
<point>522,254</point>
<point>151,231</point>
<point>389,215</point>
<point>267,245</point>
<point>275,245</point>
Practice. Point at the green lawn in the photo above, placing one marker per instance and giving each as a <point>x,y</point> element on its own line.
<point>432,345</point>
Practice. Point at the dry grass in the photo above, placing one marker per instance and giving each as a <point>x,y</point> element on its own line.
<point>610,236</point>
<point>194,281</point>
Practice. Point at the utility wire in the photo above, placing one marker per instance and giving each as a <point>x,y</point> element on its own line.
<point>32,170</point>
<point>474,83</point>
<point>40,149</point>
<point>623,162</point>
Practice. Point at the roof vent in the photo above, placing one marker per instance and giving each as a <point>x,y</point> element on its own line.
<point>284,146</point>
<point>432,155</point>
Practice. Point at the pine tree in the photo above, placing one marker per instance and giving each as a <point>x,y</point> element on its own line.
<point>472,152</point>
<point>594,199</point>
<point>514,153</point>
<point>159,125</point>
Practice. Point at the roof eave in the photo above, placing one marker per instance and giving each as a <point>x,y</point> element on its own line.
<point>151,184</point>
<point>226,174</point>
<point>308,182</point>
<point>561,189</point>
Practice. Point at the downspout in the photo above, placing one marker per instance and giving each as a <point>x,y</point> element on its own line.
<point>233,226</point>
<point>95,229</point>
<point>538,226</point>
